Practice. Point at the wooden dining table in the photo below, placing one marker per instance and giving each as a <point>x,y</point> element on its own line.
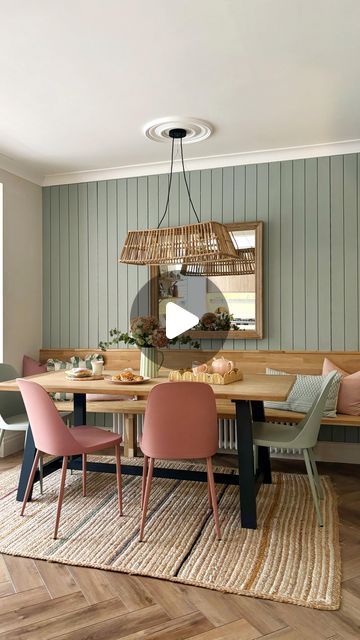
<point>248,395</point>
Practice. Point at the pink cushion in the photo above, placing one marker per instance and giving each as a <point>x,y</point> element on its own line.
<point>98,397</point>
<point>349,393</point>
<point>32,367</point>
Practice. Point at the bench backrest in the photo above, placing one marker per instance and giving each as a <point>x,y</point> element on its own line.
<point>308,362</point>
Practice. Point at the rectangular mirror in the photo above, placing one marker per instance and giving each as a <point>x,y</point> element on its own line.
<point>224,303</point>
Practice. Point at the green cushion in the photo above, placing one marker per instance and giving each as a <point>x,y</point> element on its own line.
<point>305,391</point>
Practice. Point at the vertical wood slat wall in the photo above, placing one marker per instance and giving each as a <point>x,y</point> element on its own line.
<point>311,249</point>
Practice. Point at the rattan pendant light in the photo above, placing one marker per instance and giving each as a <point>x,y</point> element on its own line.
<point>195,244</point>
<point>243,266</point>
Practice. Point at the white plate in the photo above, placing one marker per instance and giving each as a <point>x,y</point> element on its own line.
<point>128,381</point>
<point>70,377</point>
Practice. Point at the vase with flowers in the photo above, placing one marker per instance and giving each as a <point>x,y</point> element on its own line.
<point>147,334</point>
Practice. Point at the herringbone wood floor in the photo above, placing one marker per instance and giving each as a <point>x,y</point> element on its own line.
<point>40,600</point>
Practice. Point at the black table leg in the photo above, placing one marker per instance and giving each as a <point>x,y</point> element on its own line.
<point>79,409</point>
<point>79,419</point>
<point>27,463</point>
<point>264,465</point>
<point>247,484</point>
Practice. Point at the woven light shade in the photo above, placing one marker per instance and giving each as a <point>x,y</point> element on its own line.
<point>244,265</point>
<point>193,244</point>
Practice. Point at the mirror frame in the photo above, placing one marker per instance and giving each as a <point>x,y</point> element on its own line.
<point>256,333</point>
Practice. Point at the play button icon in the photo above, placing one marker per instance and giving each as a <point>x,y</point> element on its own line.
<point>178,320</point>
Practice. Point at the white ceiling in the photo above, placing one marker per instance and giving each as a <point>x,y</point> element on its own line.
<point>80,78</point>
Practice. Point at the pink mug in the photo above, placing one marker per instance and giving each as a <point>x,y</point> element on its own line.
<point>197,368</point>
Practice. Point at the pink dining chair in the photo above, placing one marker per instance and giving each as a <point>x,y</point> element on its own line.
<point>51,436</point>
<point>180,423</point>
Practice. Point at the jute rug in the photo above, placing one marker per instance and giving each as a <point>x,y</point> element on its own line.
<point>287,559</point>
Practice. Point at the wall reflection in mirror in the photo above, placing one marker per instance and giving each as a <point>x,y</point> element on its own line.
<point>222,302</point>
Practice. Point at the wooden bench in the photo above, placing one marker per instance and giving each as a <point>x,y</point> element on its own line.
<point>225,409</point>
<point>305,362</point>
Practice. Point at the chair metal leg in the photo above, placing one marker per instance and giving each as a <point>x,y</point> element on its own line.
<point>146,498</point>
<point>84,474</point>
<point>41,473</point>
<point>61,495</point>
<point>30,481</point>
<point>213,496</point>
<point>313,486</point>
<point>316,475</point>
<point>143,482</point>
<point>118,477</point>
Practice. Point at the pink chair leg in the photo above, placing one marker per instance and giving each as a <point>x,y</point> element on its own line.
<point>118,477</point>
<point>143,483</point>
<point>31,480</point>
<point>213,496</point>
<point>209,496</point>
<point>61,495</point>
<point>146,498</point>
<point>84,474</point>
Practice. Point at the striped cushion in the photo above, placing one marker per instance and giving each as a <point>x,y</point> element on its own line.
<point>305,390</point>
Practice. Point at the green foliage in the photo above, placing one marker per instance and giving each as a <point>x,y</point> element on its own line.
<point>145,332</point>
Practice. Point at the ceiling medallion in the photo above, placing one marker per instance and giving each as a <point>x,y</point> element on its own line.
<point>196,130</point>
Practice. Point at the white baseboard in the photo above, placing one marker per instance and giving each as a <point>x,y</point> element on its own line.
<point>13,442</point>
<point>345,452</point>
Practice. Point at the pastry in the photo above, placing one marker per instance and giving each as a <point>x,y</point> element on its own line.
<point>79,373</point>
<point>127,376</point>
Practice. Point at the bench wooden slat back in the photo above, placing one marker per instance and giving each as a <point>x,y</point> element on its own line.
<point>306,362</point>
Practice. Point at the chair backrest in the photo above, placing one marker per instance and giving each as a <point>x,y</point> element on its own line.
<point>11,403</point>
<point>50,433</point>
<point>309,427</point>
<point>180,421</point>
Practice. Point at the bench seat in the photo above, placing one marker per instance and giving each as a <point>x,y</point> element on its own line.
<point>225,409</point>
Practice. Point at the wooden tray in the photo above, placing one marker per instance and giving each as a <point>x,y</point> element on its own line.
<point>211,378</point>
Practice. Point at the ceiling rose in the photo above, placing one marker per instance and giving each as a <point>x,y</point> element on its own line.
<point>196,130</point>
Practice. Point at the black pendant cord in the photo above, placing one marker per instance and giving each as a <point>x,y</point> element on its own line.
<point>186,182</point>
<point>170,182</point>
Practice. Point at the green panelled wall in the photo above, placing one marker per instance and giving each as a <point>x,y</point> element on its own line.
<point>311,249</point>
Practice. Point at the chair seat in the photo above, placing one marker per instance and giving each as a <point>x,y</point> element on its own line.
<point>20,422</point>
<point>274,435</point>
<point>91,439</point>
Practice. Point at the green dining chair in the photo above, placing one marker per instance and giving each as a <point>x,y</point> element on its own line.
<point>302,436</point>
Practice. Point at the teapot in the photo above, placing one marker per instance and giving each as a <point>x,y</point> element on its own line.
<point>222,366</point>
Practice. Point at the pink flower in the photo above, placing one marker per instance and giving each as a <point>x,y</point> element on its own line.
<point>143,325</point>
<point>159,338</point>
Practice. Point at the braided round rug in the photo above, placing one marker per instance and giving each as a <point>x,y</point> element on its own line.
<point>289,558</point>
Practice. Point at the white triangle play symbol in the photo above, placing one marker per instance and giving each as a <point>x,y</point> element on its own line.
<point>178,320</point>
